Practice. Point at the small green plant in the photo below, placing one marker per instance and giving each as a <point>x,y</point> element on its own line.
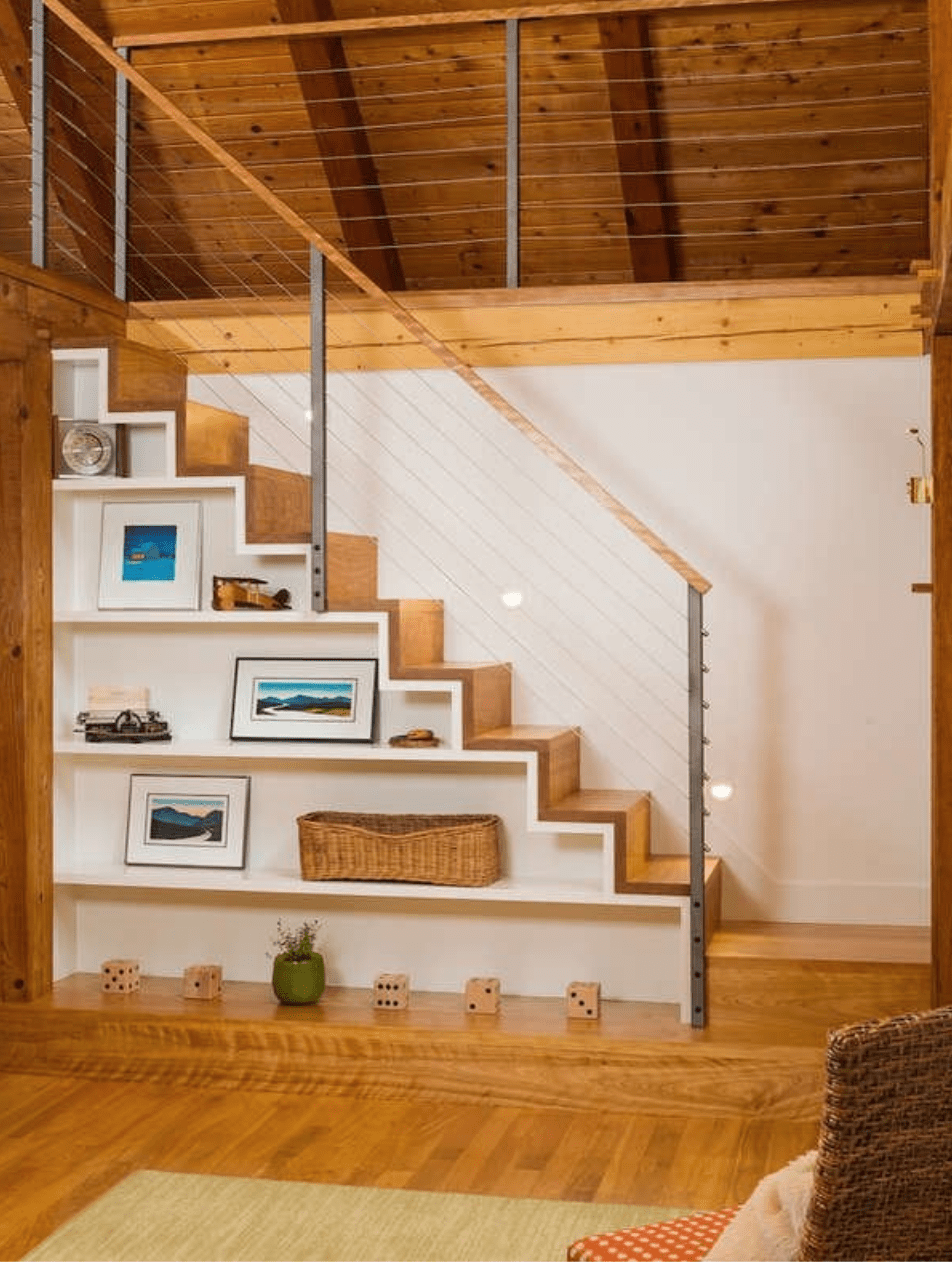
<point>298,943</point>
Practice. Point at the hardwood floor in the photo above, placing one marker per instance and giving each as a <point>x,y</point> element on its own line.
<point>64,1141</point>
<point>633,1108</point>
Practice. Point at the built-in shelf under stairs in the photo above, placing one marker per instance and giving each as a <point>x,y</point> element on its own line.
<point>214,441</point>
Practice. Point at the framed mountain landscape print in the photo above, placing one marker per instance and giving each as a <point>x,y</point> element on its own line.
<point>304,699</point>
<point>187,821</point>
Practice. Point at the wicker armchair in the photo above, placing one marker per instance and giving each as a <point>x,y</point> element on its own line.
<point>882,1187</point>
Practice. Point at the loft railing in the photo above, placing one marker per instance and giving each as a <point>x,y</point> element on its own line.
<point>111,219</point>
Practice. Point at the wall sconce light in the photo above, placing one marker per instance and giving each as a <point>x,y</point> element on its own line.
<point>722,790</point>
<point>920,488</point>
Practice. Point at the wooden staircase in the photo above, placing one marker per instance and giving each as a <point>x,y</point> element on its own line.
<point>214,441</point>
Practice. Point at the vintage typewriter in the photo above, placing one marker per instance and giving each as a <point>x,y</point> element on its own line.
<point>133,726</point>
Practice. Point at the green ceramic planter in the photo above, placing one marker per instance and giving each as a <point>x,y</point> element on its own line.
<point>298,981</point>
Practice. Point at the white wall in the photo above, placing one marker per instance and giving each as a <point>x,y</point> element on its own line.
<point>783,482</point>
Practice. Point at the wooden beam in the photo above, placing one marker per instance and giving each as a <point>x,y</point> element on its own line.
<point>942,670</point>
<point>626,52</point>
<point>70,309</point>
<point>15,59</point>
<point>333,109</point>
<point>517,328</point>
<point>415,21</point>
<point>444,354</point>
<point>26,678</point>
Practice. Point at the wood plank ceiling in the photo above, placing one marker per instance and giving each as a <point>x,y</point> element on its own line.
<point>757,141</point>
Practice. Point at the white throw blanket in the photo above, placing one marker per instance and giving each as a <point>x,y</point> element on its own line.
<point>769,1225</point>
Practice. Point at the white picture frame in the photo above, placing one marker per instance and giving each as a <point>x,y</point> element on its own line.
<point>304,699</point>
<point>150,555</point>
<point>185,821</point>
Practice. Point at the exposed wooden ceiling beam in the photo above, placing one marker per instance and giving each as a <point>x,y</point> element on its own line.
<point>604,324</point>
<point>626,52</point>
<point>73,160</point>
<point>409,21</point>
<point>334,112</point>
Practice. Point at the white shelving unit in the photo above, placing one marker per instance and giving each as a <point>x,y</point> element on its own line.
<point>552,919</point>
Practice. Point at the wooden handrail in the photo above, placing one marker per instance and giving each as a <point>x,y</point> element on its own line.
<point>443,353</point>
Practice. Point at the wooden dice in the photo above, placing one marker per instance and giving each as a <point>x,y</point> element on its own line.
<point>392,990</point>
<point>119,977</point>
<point>482,994</point>
<point>583,999</point>
<point>202,981</point>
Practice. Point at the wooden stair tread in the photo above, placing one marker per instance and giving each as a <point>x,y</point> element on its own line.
<point>894,944</point>
<point>440,669</point>
<point>838,973</point>
<point>521,735</point>
<point>666,874</point>
<point>593,802</point>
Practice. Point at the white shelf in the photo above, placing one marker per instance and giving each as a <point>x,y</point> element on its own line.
<point>282,751</point>
<point>132,486</point>
<point>211,881</point>
<point>268,620</point>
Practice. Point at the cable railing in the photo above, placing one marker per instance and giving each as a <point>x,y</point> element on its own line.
<point>635,137</point>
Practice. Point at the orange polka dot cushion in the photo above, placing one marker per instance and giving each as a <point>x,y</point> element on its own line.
<point>685,1239</point>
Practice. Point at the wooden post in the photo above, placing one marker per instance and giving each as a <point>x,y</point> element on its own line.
<point>26,683</point>
<point>942,670</point>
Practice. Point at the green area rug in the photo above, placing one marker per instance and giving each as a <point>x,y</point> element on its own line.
<point>173,1217</point>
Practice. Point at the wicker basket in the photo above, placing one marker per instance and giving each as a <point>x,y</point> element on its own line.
<point>430,849</point>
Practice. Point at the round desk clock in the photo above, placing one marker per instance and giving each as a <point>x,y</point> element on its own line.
<point>87,449</point>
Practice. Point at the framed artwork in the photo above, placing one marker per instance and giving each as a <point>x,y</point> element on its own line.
<point>150,555</point>
<point>304,699</point>
<point>187,821</point>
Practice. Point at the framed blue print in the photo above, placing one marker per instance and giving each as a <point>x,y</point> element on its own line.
<point>150,555</point>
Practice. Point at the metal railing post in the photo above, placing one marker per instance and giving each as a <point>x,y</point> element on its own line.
<point>318,433</point>
<point>121,189</point>
<point>696,809</point>
<point>38,134</point>
<point>512,154</point>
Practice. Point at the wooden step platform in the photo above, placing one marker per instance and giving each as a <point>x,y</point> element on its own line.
<point>755,1059</point>
<point>780,973</point>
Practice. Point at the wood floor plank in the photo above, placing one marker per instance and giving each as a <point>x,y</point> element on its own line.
<point>63,1142</point>
<point>636,1108</point>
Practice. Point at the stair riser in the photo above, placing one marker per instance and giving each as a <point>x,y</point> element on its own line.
<point>836,993</point>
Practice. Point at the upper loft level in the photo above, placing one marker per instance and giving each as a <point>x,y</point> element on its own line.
<point>439,148</point>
